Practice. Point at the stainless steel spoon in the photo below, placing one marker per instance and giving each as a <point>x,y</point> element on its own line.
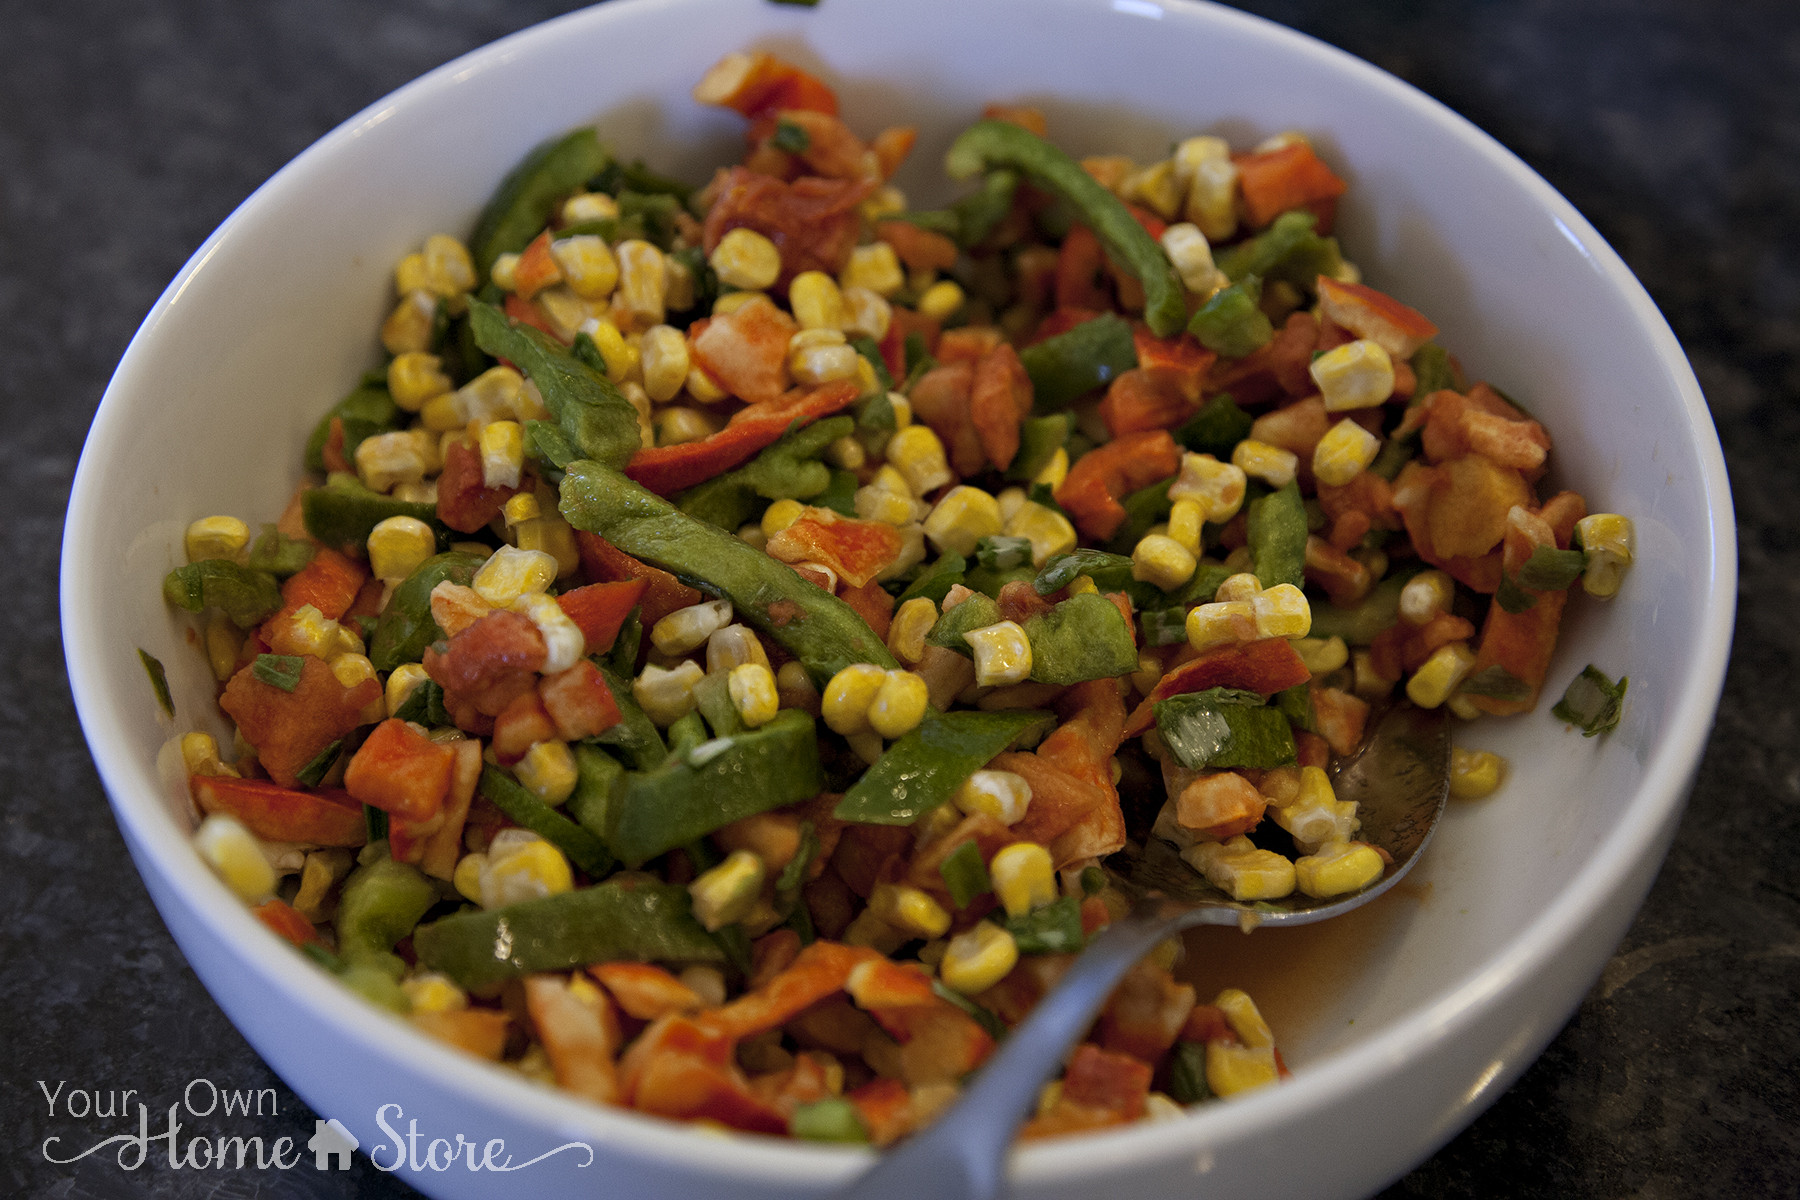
<point>1400,779</point>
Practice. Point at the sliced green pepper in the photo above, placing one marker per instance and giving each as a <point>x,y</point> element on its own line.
<point>246,596</point>
<point>989,144</point>
<point>635,736</point>
<point>1217,428</point>
<point>365,412</point>
<point>1039,440</point>
<point>1288,250</point>
<point>1187,1073</point>
<point>1075,362</point>
<point>817,628</point>
<point>1231,322</point>
<point>342,513</point>
<point>1084,637</point>
<point>935,582</point>
<point>406,627</point>
<point>599,782</point>
<point>1223,727</point>
<point>381,903</point>
<point>278,554</point>
<point>788,470</point>
<point>716,783</point>
<point>1432,370</point>
<point>511,797</point>
<point>527,197</point>
<point>924,768</point>
<point>1593,702</point>
<point>600,422</point>
<point>1143,508</point>
<point>1277,533</point>
<point>159,680</point>
<point>965,874</point>
<point>1053,928</point>
<point>630,917</point>
<point>975,612</point>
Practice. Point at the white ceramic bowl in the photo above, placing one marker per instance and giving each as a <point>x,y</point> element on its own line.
<point>1447,994</point>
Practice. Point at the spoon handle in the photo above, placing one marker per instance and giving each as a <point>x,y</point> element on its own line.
<point>962,1155</point>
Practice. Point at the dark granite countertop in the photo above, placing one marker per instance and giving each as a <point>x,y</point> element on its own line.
<point>128,130</point>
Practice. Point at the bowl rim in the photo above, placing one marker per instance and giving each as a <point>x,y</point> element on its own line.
<point>156,842</point>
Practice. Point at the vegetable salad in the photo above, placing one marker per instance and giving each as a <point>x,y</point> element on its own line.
<point>714,652</point>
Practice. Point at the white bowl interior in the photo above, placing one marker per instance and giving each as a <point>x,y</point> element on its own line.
<point>1449,988</point>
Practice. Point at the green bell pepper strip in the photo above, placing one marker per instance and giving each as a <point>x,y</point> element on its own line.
<point>1108,571</point>
<point>243,595</point>
<point>687,733</point>
<point>342,513</point>
<point>970,219</point>
<point>1085,637</point>
<point>380,904</point>
<point>1224,727</point>
<point>1230,323</point>
<point>1217,428</point>
<point>511,797</point>
<point>626,918</point>
<point>278,554</point>
<point>1359,624</point>
<point>425,705</point>
<point>1277,532</point>
<point>621,660</point>
<point>817,628</point>
<point>1039,440</point>
<point>935,582</point>
<point>635,737</point>
<point>527,197</point>
<point>599,782</point>
<point>787,470</point>
<point>988,581</point>
<point>1143,509</point>
<point>406,627</point>
<point>712,700</point>
<point>365,412</point>
<point>833,1119</point>
<point>1053,928</point>
<point>1432,370</point>
<point>600,422</point>
<point>975,612</point>
<point>965,874</point>
<point>617,178</point>
<point>1077,361</point>
<point>1288,250</point>
<point>990,144</point>
<point>716,783</point>
<point>1187,1073</point>
<point>1296,704</point>
<point>924,768</point>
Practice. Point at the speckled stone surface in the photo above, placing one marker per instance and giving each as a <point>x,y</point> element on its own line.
<point>129,130</point>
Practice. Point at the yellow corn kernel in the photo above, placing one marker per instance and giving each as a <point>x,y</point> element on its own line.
<point>589,206</point>
<point>1002,654</point>
<point>1191,254</point>
<point>730,302</point>
<point>899,704</point>
<point>1245,1019</point>
<point>870,314</point>
<point>886,201</point>
<point>1365,682</point>
<point>404,680</point>
<point>434,993</point>
<point>680,288</point>
<point>1154,187</point>
<point>234,852</point>
<point>1217,487</point>
<point>588,265</point>
<point>909,910</point>
<point>400,456</point>
<point>466,879</point>
<point>817,301</point>
<point>678,423</point>
<point>215,537</point>
<point>745,260</point>
<point>1271,464</point>
<point>397,545</point>
<point>200,755</point>
<point>1208,179</point>
<point>728,892</point>
<point>1186,520</point>
<point>733,646</point>
<point>663,358</point>
<point>1343,453</point>
<point>1003,795</point>
<point>505,272</point>
<point>752,689</point>
<point>351,668</point>
<point>1433,682</point>
<point>519,507</point>
<point>1231,1068</point>
<point>962,518</point>
<point>1221,624</point>
<point>1425,596</point>
<point>1282,611</point>
<point>941,300</point>
<point>918,455</point>
<point>1337,869</point>
<point>902,410</point>
<point>779,515</point>
<point>1322,656</point>
<point>643,278</point>
<point>548,771</point>
<point>1048,531</point>
<point>875,502</point>
<point>666,696</point>
<point>409,326</point>
<point>409,274</point>
<point>701,387</point>
<point>821,355</point>
<point>311,632</point>
<point>1357,374</point>
<point>848,696</point>
<point>224,642</point>
<point>510,573</point>
<point>415,377</point>
<point>688,628</point>
<point>1161,560</point>
<point>846,453</point>
<point>448,269</point>
<point>976,960</point>
<point>1242,586</point>
<point>1024,877</point>
<point>551,535</point>
<point>526,869</point>
<point>1052,473</point>
<point>906,633</point>
<point>622,359</point>
<point>751,534</point>
<point>564,643</point>
<point>875,267</point>
<point>1475,773</point>
<point>1240,870</point>
<point>1606,541</point>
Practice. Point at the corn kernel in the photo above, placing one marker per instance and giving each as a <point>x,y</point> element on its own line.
<point>752,690</point>
<point>521,506</point>
<point>976,960</point>
<point>1357,374</point>
<point>1211,180</point>
<point>848,696</point>
<point>404,680</point>
<point>1048,531</point>
<point>1343,453</point>
<point>1232,1069</point>
<point>510,573</point>
<point>400,456</point>
<point>434,993</point>
<point>307,631</point>
<point>821,356</point>
<point>448,269</point>
<point>1337,869</point>
<point>236,854</point>
<point>547,771</point>
<point>728,892</point>
<point>1155,187</point>
<point>962,518</point>
<point>918,455</point>
<point>589,206</point>
<point>1217,487</point>
<point>1606,542</point>
<point>941,300</point>
<point>1282,611</point>
<point>1186,522</point>
<point>521,869</point>
<point>1024,877</point>
<point>551,535</point>
<point>505,272</point>
<point>730,302</point>
<point>588,265</point>
<point>1426,595</point>
<point>215,537</point>
<point>1322,656</point>
<point>664,360</point>
<point>1433,682</point>
<point>899,705</point>
<point>733,646</point>
<point>687,628</point>
<point>1245,1019</point>
<point>564,643</point>
<point>1475,774</point>
<point>1161,560</point>
<point>409,326</point>
<point>877,503</point>
<point>677,424</point>
<point>415,377</point>
<point>745,260</point>
<point>1191,254</point>
<point>871,316</point>
<point>622,359</point>
<point>817,301</point>
<point>200,755</point>
<point>875,267</point>
<point>397,545</point>
<point>466,879</point>
<point>1221,624</point>
<point>643,279</point>
<point>1002,654</point>
<point>909,910</point>
<point>1271,464</point>
<point>224,642</point>
<point>1052,474</point>
<point>1240,870</point>
<point>1003,795</point>
<point>666,696</point>
<point>1241,586</point>
<point>779,515</point>
<point>352,668</point>
<point>906,633</point>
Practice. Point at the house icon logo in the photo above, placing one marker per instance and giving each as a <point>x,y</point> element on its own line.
<point>331,1145</point>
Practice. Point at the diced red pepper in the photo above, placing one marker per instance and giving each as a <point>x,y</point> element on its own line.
<point>1147,398</point>
<point>940,400</point>
<point>321,816</point>
<point>290,728</point>
<point>919,248</point>
<point>599,610</point>
<point>873,603</point>
<point>287,922</point>
<point>1000,399</point>
<point>605,562</point>
<point>668,469</point>
<point>520,726</point>
<point>1290,177</point>
<point>464,502</point>
<point>883,983</point>
<point>1091,491</point>
<point>813,222</point>
<point>537,268</point>
<point>645,991</point>
<point>756,83</point>
<point>329,582</point>
<point>1103,1079</point>
<point>1079,266</point>
<point>892,145</point>
<point>856,550</point>
<point>578,701</point>
<point>490,662</point>
<point>885,1106</point>
<point>529,312</point>
<point>1398,328</point>
<point>401,771</point>
<point>1267,665</point>
<point>745,351</point>
<point>819,970</point>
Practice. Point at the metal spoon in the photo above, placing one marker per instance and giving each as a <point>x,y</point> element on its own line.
<point>1400,779</point>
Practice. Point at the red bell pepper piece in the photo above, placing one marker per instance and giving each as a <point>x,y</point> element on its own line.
<point>1102,1079</point>
<point>758,83</point>
<point>321,817</point>
<point>1397,328</point>
<point>885,1106</point>
<point>287,921</point>
<point>578,701</point>
<point>645,991</point>
<point>667,469</point>
<point>520,726</point>
<point>329,582</point>
<point>1091,492</point>
<point>464,501</point>
<point>290,728</point>
<point>1276,181</point>
<point>529,312</point>
<point>681,1068</point>
<point>537,268</point>
<point>919,248</point>
<point>1000,399</point>
<point>1267,665</point>
<point>599,610</point>
<point>819,970</point>
<point>401,771</point>
<point>813,222</point>
<point>605,562</point>
<point>856,550</point>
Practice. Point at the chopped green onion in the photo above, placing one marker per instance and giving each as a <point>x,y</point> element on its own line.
<point>1054,928</point>
<point>279,670</point>
<point>1592,702</point>
<point>315,770</point>
<point>1187,1073</point>
<point>965,874</point>
<point>159,680</point>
